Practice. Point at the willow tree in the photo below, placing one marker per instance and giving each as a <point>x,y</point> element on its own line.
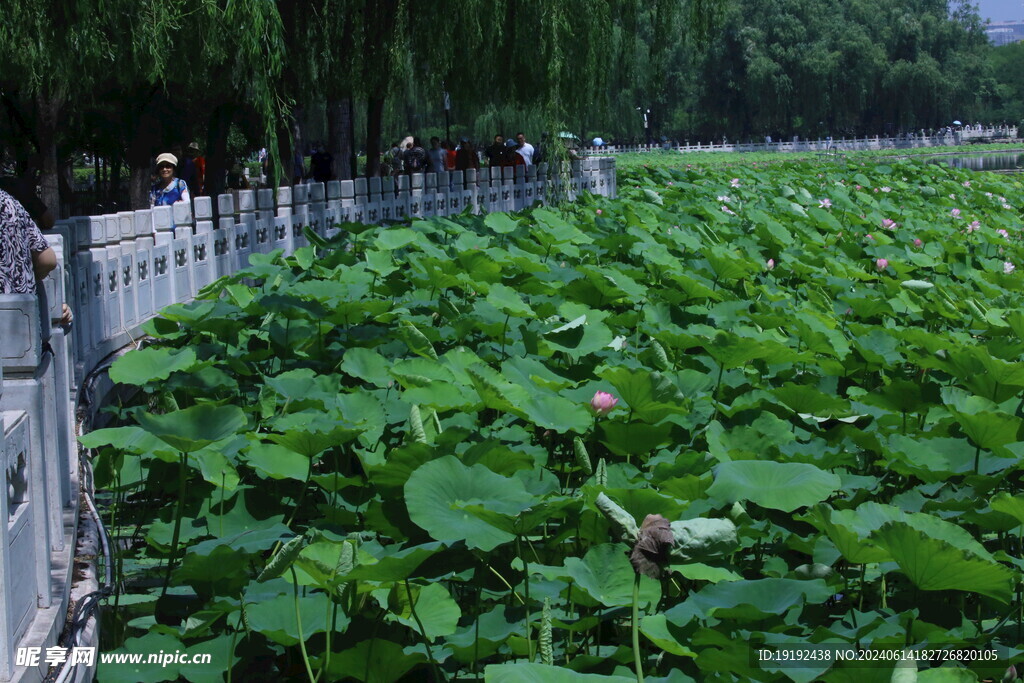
<point>53,53</point>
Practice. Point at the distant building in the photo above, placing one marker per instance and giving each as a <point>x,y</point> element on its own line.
<point>1005,32</point>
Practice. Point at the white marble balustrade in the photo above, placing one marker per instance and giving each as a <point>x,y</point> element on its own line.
<point>876,142</point>
<point>117,271</point>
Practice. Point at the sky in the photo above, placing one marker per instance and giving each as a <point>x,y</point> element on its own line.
<point>1001,10</point>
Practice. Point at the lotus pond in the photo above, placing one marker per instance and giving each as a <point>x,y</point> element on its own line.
<point>732,411</point>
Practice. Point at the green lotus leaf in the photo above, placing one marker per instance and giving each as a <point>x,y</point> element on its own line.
<point>275,618</point>
<point>1009,505</point>
<point>147,365</point>
<point>934,564</point>
<point>395,238</point>
<point>277,462</point>
<point>607,576</point>
<point>366,364</point>
<point>383,661</point>
<point>749,600</point>
<point>132,439</point>
<point>437,611</point>
<point>500,223</point>
<point>193,428</point>
<point>437,487</point>
<point>391,564</point>
<point>650,396</point>
<point>381,263</point>
<point>526,672</point>
<point>508,301</point>
<point>776,485</point>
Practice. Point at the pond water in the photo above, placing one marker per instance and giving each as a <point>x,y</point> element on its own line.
<point>994,161</point>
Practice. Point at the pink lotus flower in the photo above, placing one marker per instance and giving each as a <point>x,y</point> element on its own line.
<point>1003,233</point>
<point>1007,207</point>
<point>825,204</point>
<point>868,236</point>
<point>599,212</point>
<point>967,183</point>
<point>955,213</point>
<point>727,210</point>
<point>1008,267</point>
<point>881,264</point>
<point>603,402</point>
<point>886,189</point>
<point>735,182</point>
<point>770,264</point>
<point>918,243</point>
<point>889,224</point>
<point>974,225</point>
<point>859,187</point>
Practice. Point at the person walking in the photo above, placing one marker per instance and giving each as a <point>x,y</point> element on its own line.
<point>200,163</point>
<point>320,164</point>
<point>167,189</point>
<point>415,157</point>
<point>449,155</point>
<point>436,156</point>
<point>465,156</point>
<point>525,149</point>
<point>25,256</point>
<point>496,152</point>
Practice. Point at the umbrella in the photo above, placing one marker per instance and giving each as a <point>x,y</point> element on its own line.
<point>598,142</point>
<point>404,142</point>
<point>957,123</point>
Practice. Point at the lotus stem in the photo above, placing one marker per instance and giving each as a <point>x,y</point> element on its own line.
<point>298,622</point>
<point>636,629</point>
<point>438,676</point>
<point>178,512</point>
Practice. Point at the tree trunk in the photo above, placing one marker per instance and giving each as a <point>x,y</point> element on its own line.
<point>138,186</point>
<point>374,113</point>
<point>342,144</point>
<point>48,110</point>
<point>115,183</point>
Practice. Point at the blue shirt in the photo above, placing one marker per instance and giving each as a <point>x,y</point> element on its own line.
<point>176,191</point>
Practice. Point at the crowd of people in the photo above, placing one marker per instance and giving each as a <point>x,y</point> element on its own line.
<point>409,156</point>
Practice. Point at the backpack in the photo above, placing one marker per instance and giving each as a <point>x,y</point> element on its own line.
<point>415,162</point>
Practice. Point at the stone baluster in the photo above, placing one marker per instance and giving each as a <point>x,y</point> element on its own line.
<point>372,214</point>
<point>28,469</point>
<point>300,215</point>
<point>402,198</point>
<point>387,199</point>
<point>429,194</point>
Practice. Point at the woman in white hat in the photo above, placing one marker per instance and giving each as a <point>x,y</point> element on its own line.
<point>167,190</point>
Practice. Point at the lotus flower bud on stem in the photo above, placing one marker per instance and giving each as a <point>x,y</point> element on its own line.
<point>603,402</point>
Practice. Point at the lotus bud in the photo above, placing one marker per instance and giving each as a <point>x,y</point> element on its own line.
<point>881,264</point>
<point>603,402</point>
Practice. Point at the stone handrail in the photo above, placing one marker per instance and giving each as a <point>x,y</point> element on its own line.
<point>117,271</point>
<point>823,146</point>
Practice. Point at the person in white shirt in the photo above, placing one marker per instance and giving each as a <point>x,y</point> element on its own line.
<point>525,149</point>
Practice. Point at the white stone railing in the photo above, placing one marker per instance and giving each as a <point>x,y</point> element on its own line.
<point>118,270</point>
<point>823,146</point>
